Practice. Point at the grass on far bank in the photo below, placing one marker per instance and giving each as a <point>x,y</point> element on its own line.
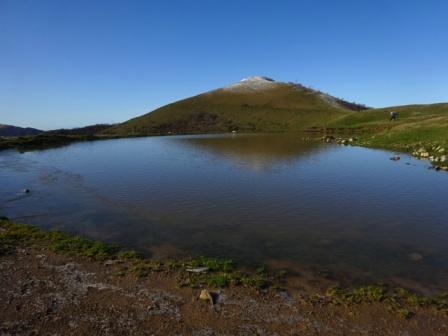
<point>416,126</point>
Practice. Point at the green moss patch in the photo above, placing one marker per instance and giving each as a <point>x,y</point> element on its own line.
<point>399,300</point>
<point>219,272</point>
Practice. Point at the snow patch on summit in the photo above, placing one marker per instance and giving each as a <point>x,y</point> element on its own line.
<point>257,79</point>
<point>254,83</point>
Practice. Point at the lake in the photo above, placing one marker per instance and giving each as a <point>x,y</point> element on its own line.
<point>324,212</point>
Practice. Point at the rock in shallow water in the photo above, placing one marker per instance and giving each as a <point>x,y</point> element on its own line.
<point>415,256</point>
<point>324,242</point>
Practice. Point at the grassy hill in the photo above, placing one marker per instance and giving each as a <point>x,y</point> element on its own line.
<point>259,104</point>
<point>13,131</point>
<point>53,138</point>
<point>256,104</point>
<point>416,125</point>
<point>86,130</point>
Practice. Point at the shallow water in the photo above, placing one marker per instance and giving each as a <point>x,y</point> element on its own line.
<point>345,211</point>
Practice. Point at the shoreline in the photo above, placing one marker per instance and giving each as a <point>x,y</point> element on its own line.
<point>433,151</point>
<point>30,251</point>
<point>48,141</point>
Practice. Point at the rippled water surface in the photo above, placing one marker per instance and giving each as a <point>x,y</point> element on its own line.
<point>345,212</point>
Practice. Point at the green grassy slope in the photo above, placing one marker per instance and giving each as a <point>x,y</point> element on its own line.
<point>279,107</point>
<point>416,125</point>
<point>80,131</point>
<point>260,105</point>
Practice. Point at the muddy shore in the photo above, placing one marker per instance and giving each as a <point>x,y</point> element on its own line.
<point>43,292</point>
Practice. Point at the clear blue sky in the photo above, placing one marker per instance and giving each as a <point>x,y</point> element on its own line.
<point>67,63</point>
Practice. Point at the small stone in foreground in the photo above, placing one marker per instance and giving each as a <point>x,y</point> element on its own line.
<point>197,269</point>
<point>206,296</point>
<point>415,256</point>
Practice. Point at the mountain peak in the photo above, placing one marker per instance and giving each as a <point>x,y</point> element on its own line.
<point>254,104</point>
<point>257,79</point>
<point>252,83</point>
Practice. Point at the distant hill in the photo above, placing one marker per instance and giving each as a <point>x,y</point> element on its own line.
<point>255,104</point>
<point>54,138</point>
<point>87,130</point>
<point>13,131</point>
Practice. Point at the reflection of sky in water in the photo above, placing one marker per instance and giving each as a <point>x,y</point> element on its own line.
<point>250,197</point>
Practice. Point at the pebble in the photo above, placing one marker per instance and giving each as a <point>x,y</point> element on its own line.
<point>415,256</point>
<point>197,269</point>
<point>324,242</point>
<point>206,296</point>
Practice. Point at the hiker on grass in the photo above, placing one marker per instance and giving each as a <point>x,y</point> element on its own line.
<point>393,116</point>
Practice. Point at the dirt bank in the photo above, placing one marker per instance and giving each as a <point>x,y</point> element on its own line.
<point>48,293</point>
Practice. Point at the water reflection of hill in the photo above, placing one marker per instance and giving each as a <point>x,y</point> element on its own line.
<point>257,152</point>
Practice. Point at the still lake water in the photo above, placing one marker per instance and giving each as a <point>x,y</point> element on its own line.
<point>347,212</point>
